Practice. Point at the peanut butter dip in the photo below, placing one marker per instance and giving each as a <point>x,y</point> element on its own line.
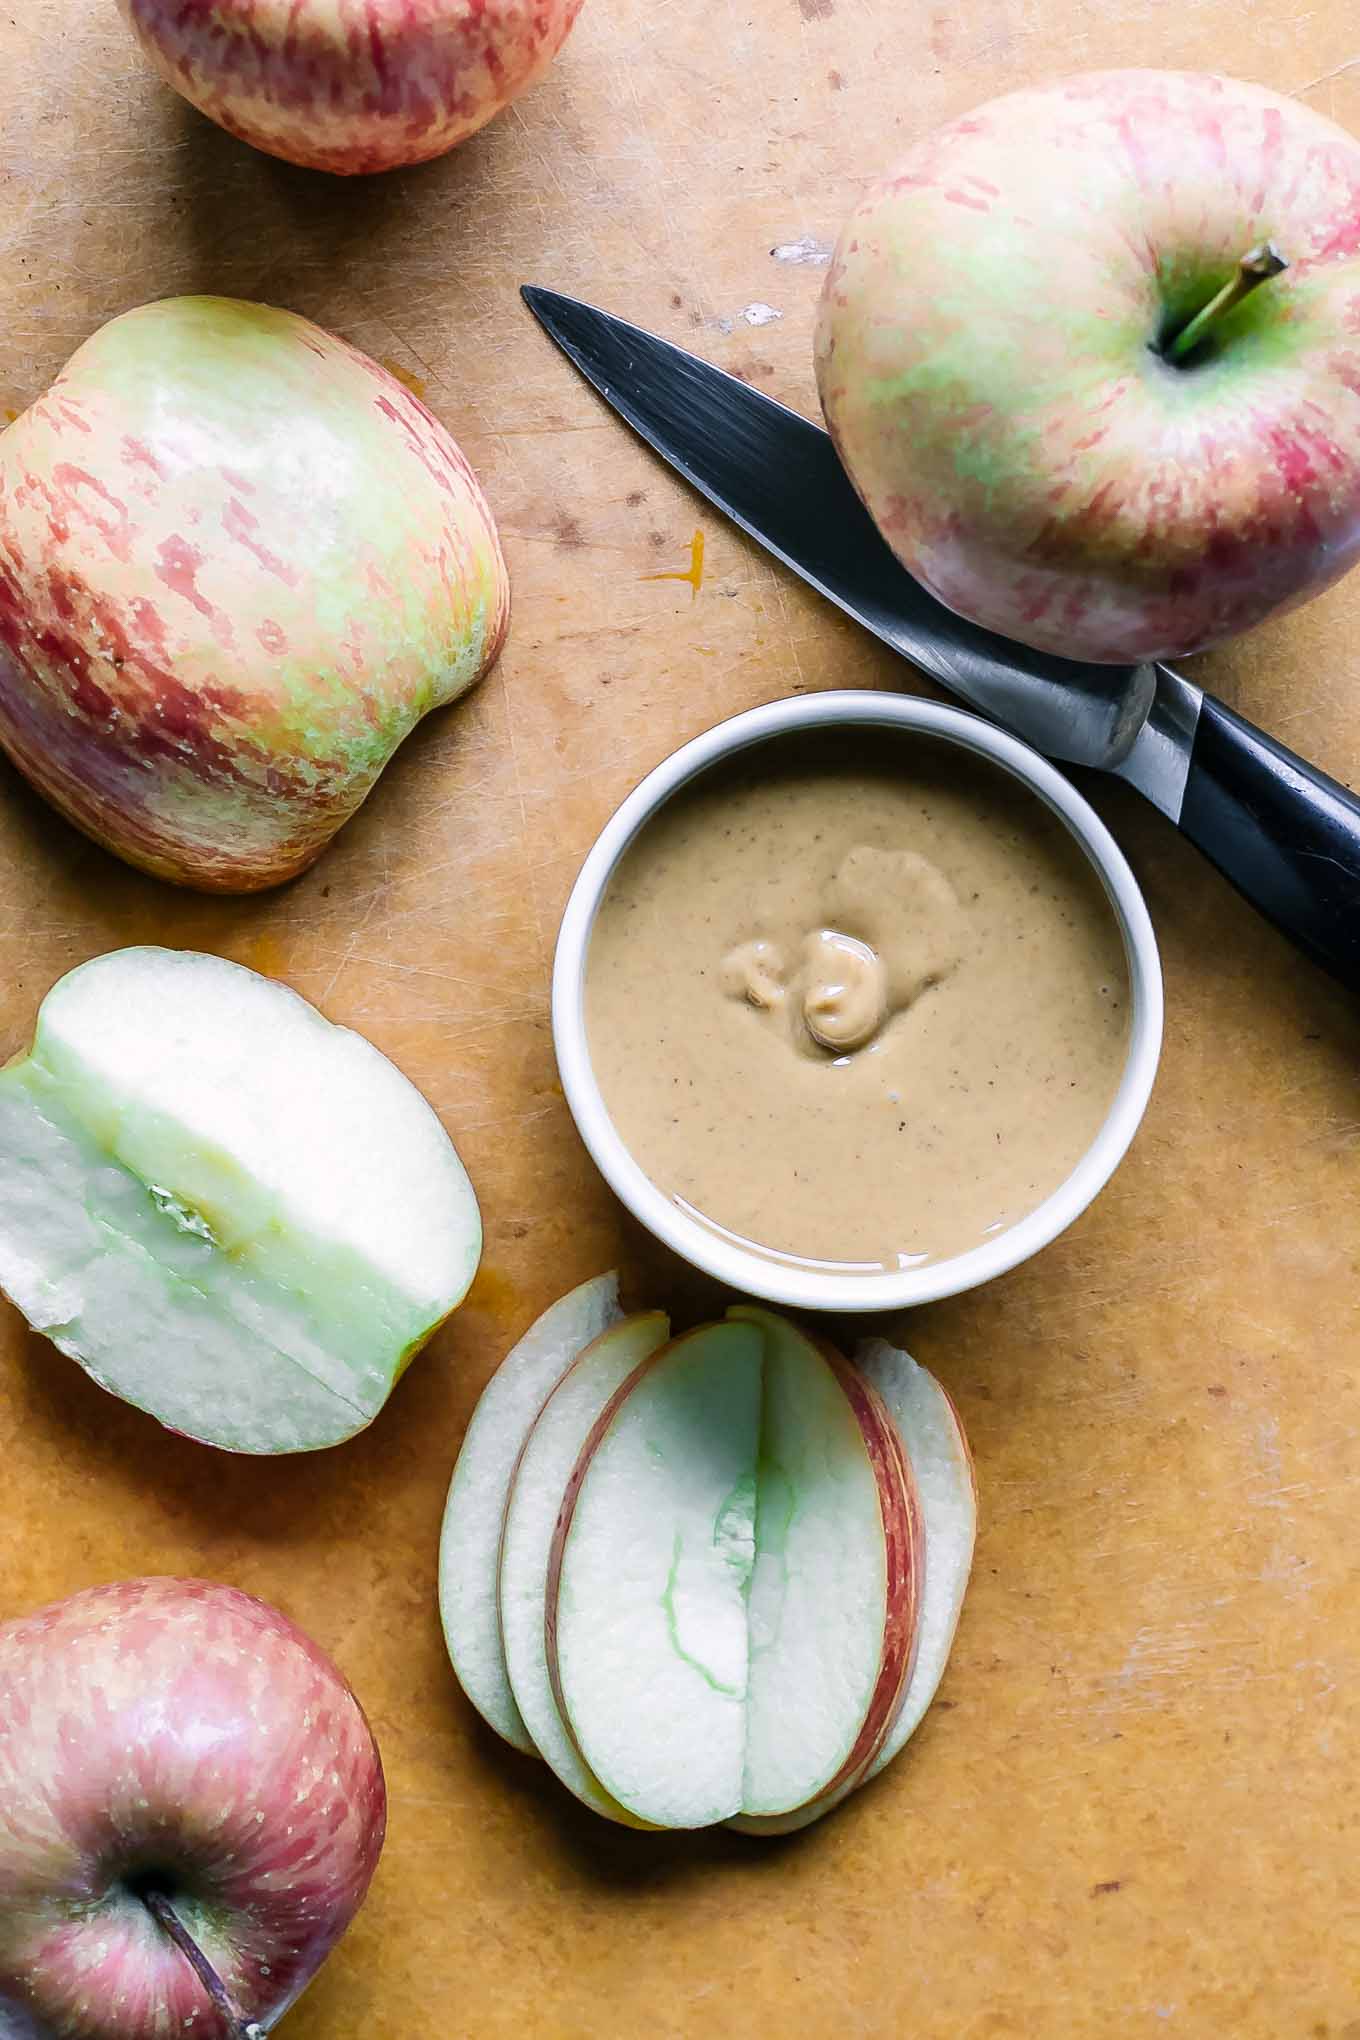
<point>860,1000</point>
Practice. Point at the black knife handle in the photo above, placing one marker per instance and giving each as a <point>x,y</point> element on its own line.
<point>1286,835</point>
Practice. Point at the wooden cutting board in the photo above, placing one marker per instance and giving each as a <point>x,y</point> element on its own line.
<point>1132,1809</point>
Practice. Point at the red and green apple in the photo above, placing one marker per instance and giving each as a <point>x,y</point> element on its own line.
<point>191,1808</point>
<point>239,561</point>
<point>351,85</point>
<point>1011,366</point>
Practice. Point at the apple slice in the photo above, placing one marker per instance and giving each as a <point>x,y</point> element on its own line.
<point>469,1549</point>
<point>732,1601</point>
<point>929,1426</point>
<point>834,1599</point>
<point>233,1214</point>
<point>541,1480</point>
<point>646,1597</point>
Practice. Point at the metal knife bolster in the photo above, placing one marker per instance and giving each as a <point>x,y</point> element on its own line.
<point>1281,831</point>
<point>1158,760</point>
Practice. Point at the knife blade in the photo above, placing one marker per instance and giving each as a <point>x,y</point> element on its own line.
<point>778,476</point>
<point>1286,835</point>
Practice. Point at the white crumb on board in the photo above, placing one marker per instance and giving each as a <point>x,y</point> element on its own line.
<point>761,315</point>
<point>807,249</point>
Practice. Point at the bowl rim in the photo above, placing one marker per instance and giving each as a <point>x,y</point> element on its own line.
<point>795,1284</point>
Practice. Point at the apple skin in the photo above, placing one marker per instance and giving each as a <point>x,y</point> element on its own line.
<point>987,362</point>
<point>905,1545</point>
<point>175,1726</point>
<point>238,562</point>
<point>351,86</point>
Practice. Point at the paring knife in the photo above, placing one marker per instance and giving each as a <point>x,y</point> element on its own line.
<point>1286,835</point>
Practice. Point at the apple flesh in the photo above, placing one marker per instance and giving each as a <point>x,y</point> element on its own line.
<point>733,1594</point>
<point>232,1213</point>
<point>238,563</point>
<point>834,1604</point>
<point>470,1544</point>
<point>928,1425</point>
<point>542,1487</point>
<point>994,360</point>
<point>171,1736</point>
<point>647,1582</point>
<point>730,1566</point>
<point>351,85</point>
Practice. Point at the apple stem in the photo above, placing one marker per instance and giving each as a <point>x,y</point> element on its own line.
<point>169,1922</point>
<point>1257,266</point>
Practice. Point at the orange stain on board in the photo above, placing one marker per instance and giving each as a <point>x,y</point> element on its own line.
<point>10,416</point>
<point>693,573</point>
<point>405,378</point>
<point>494,1293</point>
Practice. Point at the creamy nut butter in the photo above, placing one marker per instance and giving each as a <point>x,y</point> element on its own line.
<point>857,999</point>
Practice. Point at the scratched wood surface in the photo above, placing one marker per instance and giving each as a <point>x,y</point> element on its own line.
<point>1132,1810</point>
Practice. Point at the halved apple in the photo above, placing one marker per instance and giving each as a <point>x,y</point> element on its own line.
<point>646,1591</point>
<point>732,1603</point>
<point>542,1479</point>
<point>232,1213</point>
<point>474,1518</point>
<point>928,1424</point>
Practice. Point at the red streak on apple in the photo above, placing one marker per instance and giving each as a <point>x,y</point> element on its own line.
<point>903,1536</point>
<point>904,1541</point>
<point>596,1435</point>
<point>198,666</point>
<point>187,1734</point>
<point>351,86</point>
<point>996,380</point>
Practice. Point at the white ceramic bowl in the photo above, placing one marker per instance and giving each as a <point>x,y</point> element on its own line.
<point>791,1283</point>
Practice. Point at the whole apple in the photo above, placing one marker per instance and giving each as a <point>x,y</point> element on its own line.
<point>238,562</point>
<point>998,360</point>
<point>182,1774</point>
<point>351,85</point>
